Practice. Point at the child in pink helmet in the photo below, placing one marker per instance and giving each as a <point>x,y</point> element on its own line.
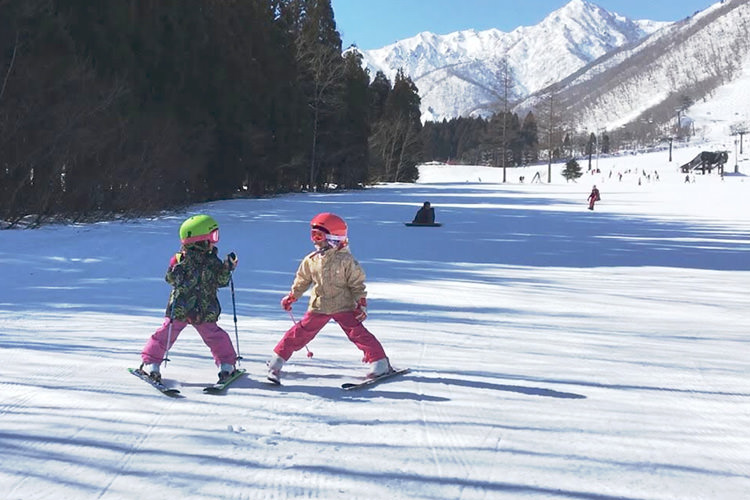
<point>337,284</point>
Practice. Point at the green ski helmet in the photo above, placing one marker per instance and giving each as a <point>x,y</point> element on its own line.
<point>199,228</point>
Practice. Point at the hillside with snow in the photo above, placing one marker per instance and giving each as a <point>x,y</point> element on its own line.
<point>679,69</point>
<point>456,74</point>
<point>597,70</point>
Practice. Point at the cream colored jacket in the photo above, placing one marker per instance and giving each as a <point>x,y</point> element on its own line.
<point>337,279</point>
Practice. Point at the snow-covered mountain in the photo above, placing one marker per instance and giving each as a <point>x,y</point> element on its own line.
<point>458,74</point>
<point>684,69</point>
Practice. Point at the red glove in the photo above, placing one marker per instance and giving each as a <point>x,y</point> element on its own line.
<point>360,313</point>
<point>176,258</point>
<point>287,301</point>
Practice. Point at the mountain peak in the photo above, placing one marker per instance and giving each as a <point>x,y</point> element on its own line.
<point>577,6</point>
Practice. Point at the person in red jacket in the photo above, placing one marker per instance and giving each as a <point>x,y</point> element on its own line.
<point>593,197</point>
<point>338,292</point>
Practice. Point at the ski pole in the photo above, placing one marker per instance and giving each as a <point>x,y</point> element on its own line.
<point>309,352</point>
<point>234,311</point>
<point>169,330</point>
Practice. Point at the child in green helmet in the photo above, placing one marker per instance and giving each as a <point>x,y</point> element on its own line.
<point>195,273</point>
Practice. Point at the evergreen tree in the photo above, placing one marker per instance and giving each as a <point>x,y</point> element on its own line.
<point>572,170</point>
<point>321,77</point>
<point>352,157</point>
<point>380,89</point>
<point>530,138</point>
<point>131,107</point>
<point>395,144</point>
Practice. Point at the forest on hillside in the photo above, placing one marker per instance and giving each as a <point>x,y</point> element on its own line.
<point>134,106</point>
<point>129,107</point>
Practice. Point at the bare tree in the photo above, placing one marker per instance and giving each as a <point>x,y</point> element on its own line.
<point>506,93</point>
<point>551,123</point>
<point>325,69</point>
<point>393,143</point>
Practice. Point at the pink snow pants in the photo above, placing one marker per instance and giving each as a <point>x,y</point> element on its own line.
<point>311,323</point>
<point>213,336</point>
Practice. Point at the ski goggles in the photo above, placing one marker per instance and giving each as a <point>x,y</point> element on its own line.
<point>335,241</point>
<point>212,237</point>
<point>317,235</point>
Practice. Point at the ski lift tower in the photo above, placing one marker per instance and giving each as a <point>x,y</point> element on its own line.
<point>737,130</point>
<point>669,140</point>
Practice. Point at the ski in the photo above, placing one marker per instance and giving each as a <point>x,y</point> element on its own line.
<point>221,386</point>
<point>167,391</point>
<point>372,381</point>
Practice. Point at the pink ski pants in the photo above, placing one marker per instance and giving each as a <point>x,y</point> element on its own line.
<point>213,336</point>
<point>311,323</point>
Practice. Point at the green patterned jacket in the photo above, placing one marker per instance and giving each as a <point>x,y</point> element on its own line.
<point>195,281</point>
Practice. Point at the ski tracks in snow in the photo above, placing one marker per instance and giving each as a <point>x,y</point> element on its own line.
<point>445,445</point>
<point>452,441</point>
<point>123,465</point>
<point>442,436</point>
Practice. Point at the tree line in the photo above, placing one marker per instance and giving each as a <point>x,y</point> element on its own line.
<point>135,106</point>
<point>502,139</point>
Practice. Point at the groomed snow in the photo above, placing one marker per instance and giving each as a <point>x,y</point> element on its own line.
<point>556,352</point>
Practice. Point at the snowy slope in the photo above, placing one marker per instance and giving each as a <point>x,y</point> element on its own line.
<point>728,108</point>
<point>556,352</point>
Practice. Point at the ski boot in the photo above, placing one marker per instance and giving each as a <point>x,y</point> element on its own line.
<point>152,370</point>
<point>274,368</point>
<point>225,371</point>
<point>379,368</point>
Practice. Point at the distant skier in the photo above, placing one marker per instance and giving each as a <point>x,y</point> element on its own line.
<point>338,293</point>
<point>195,272</point>
<point>593,197</point>
<point>425,215</point>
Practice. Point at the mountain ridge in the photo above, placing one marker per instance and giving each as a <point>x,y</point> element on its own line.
<point>648,86</point>
<point>456,73</point>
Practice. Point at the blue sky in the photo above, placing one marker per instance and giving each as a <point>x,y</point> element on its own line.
<point>372,24</point>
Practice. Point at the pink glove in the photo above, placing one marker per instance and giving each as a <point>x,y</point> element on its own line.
<point>176,258</point>
<point>287,302</point>
<point>360,313</point>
